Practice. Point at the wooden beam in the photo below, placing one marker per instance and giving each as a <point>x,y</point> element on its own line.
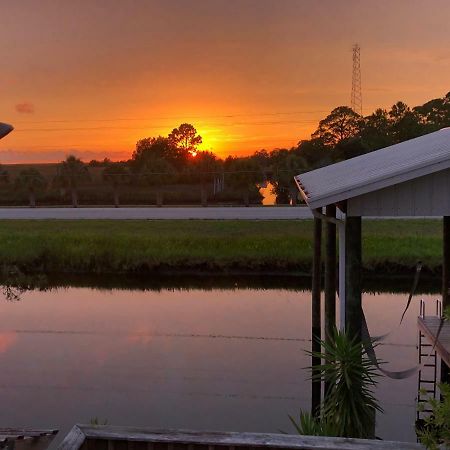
<point>316,314</point>
<point>445,371</point>
<point>341,287</point>
<point>184,439</point>
<point>353,281</point>
<point>330,277</point>
<point>330,273</point>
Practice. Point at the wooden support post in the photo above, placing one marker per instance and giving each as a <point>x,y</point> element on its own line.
<point>330,278</point>
<point>445,372</point>
<point>353,284</point>
<point>315,314</point>
<point>341,230</point>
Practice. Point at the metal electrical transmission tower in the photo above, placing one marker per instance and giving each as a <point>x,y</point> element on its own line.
<point>356,100</point>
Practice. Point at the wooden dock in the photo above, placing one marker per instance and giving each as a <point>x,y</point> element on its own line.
<point>429,325</point>
<point>83,437</point>
<point>26,438</point>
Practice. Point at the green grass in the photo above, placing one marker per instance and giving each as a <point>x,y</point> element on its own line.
<point>392,246</point>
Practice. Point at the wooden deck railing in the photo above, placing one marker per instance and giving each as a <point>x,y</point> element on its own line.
<point>83,437</point>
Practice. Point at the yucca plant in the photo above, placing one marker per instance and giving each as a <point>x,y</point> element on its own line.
<point>349,403</point>
<point>349,407</point>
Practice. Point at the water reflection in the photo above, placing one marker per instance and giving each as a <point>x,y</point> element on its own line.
<point>223,359</point>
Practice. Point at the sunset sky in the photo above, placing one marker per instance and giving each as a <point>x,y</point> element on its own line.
<point>91,77</point>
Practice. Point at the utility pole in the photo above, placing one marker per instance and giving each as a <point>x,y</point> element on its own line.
<point>356,97</point>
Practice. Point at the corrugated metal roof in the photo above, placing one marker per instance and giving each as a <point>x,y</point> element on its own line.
<point>376,170</point>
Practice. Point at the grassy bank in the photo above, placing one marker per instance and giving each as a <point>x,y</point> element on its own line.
<point>392,246</point>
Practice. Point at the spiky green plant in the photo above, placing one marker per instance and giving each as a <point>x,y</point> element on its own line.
<point>308,425</point>
<point>434,432</point>
<point>349,407</point>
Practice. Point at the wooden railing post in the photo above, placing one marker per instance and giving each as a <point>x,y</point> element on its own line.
<point>445,372</point>
<point>330,277</point>
<point>316,334</point>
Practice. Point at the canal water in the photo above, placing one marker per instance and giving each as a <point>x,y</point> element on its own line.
<point>205,358</point>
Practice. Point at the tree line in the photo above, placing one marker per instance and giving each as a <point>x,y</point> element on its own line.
<point>176,160</point>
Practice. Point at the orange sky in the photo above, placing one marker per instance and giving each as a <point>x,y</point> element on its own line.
<point>92,77</point>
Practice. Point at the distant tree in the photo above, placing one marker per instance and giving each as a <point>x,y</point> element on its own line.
<point>405,123</point>
<point>349,148</point>
<point>435,114</point>
<point>96,163</point>
<point>156,172</point>
<point>185,137</point>
<point>152,149</point>
<point>116,174</point>
<point>32,181</point>
<point>4,176</point>
<point>205,168</point>
<point>314,153</point>
<point>243,174</point>
<point>284,171</point>
<point>71,173</point>
<point>376,131</point>
<point>341,124</point>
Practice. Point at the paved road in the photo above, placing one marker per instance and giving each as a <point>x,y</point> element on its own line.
<point>220,213</point>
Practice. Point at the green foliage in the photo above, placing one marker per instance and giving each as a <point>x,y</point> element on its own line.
<point>204,167</point>
<point>284,171</point>
<point>116,174</point>
<point>30,180</point>
<point>435,431</point>
<point>242,173</point>
<point>446,313</point>
<point>390,246</point>
<point>96,422</point>
<point>4,175</point>
<point>349,407</point>
<point>307,425</point>
<point>72,172</point>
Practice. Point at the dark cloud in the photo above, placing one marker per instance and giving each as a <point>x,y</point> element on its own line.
<point>25,108</point>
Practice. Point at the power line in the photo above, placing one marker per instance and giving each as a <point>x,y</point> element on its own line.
<point>225,116</point>
<point>111,127</point>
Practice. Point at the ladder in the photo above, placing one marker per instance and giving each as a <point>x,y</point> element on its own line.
<point>426,386</point>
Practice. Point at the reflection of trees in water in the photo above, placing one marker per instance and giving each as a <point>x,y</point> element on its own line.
<point>15,283</point>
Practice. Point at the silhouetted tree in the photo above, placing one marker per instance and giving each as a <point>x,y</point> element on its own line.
<point>341,124</point>
<point>71,173</point>
<point>284,171</point>
<point>314,153</point>
<point>376,132</point>
<point>152,149</point>
<point>32,181</point>
<point>205,167</point>
<point>4,175</point>
<point>405,123</point>
<point>435,114</point>
<point>185,137</point>
<point>116,174</point>
<point>156,172</point>
<point>243,174</point>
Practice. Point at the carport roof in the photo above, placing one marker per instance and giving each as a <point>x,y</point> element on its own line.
<point>376,170</point>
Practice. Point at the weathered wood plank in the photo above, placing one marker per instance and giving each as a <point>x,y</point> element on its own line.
<point>430,326</point>
<point>230,439</point>
<point>74,439</point>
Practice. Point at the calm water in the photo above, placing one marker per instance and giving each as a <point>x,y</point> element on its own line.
<point>218,359</point>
